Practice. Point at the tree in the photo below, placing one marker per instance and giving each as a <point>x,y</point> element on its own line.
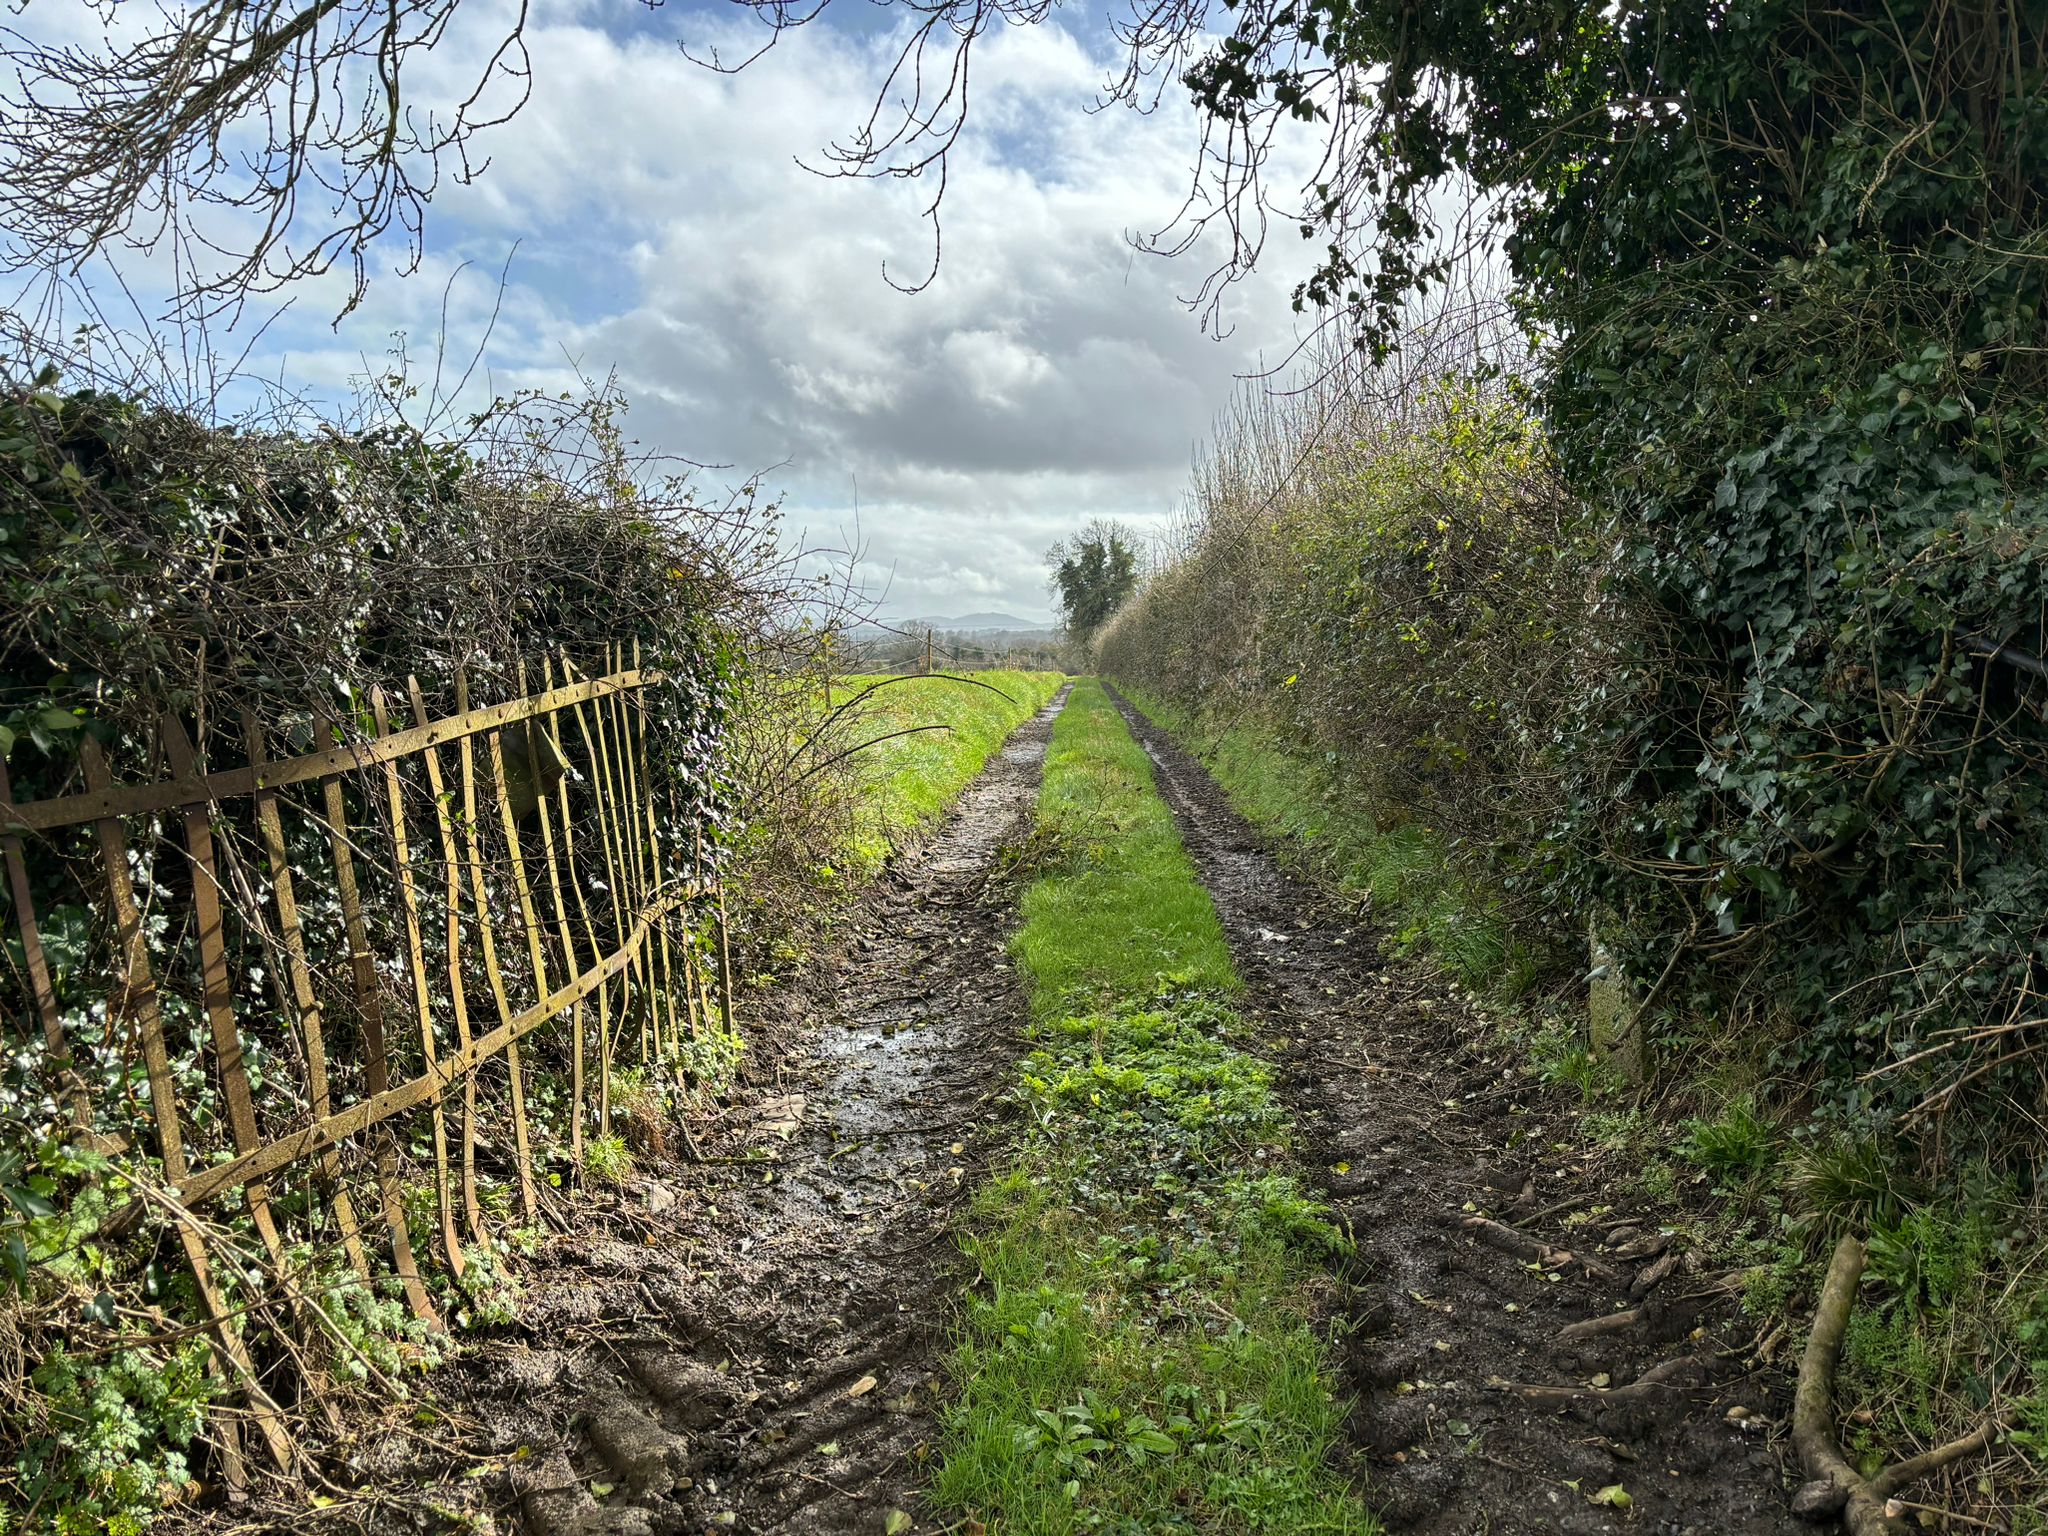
<point>1092,574</point>
<point>221,125</point>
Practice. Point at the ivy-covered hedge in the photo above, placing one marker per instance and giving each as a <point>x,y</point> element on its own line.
<point>1788,267</point>
<point>151,562</point>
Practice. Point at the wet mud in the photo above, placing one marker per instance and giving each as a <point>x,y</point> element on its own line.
<point>756,1343</point>
<point>1514,1364</point>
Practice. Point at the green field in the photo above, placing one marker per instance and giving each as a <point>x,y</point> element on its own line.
<point>917,741</point>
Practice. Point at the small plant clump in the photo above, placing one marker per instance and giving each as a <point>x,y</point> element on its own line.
<point>1733,1145</point>
<point>608,1159</point>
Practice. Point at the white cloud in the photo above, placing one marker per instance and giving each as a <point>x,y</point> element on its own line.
<point>1048,373</point>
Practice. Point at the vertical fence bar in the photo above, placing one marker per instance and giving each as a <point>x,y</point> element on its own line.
<point>218,987</point>
<point>376,1062</point>
<point>626,823</point>
<point>563,934</point>
<point>604,1024</point>
<point>665,992</point>
<point>422,993</point>
<point>529,922</point>
<point>712,1021</point>
<point>138,997</point>
<point>725,963</point>
<point>64,1078</point>
<point>479,891</point>
<point>591,727</point>
<point>270,825</point>
<point>451,864</point>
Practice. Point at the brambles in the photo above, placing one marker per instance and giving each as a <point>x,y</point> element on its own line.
<point>1398,592</point>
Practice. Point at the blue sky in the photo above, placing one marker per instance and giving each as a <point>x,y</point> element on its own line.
<point>659,227</point>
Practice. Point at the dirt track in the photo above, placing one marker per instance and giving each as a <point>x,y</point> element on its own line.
<point>763,1359</point>
<point>1442,1325</point>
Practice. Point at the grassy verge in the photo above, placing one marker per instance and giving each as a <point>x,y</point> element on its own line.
<point>1140,1354</point>
<point>1422,901</point>
<point>930,736</point>
<point>1723,1155</point>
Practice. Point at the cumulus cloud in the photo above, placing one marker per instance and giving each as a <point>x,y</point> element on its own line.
<point>667,230</point>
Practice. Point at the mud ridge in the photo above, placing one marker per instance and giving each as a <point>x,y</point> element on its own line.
<point>753,1345</point>
<point>1507,1369</point>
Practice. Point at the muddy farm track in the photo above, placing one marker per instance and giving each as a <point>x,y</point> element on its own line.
<point>764,1358</point>
<point>756,1345</point>
<point>1474,1342</point>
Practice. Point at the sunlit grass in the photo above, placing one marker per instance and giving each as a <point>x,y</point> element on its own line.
<point>1424,903</point>
<point>1140,1353</point>
<point>917,741</point>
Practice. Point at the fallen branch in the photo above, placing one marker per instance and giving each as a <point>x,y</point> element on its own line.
<point>1655,1273</point>
<point>1499,1235</point>
<point>1593,1327</point>
<point>1667,1377</point>
<point>1834,1487</point>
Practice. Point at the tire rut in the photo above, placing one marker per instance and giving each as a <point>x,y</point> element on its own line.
<point>1410,1127</point>
<point>767,1357</point>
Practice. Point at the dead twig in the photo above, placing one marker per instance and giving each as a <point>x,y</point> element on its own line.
<point>1499,1235</point>
<point>1670,1376</point>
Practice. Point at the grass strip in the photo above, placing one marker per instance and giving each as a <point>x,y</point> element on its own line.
<point>912,772</point>
<point>1140,1353</point>
<point>1295,796</point>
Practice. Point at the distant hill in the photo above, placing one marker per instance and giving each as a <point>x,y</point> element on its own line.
<point>978,622</point>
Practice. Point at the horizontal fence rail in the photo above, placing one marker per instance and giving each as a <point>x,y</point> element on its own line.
<point>344,943</point>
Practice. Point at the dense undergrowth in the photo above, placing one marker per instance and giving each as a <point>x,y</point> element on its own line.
<point>1139,1353</point>
<point>1406,647</point>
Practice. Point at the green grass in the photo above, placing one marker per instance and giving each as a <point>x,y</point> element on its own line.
<point>910,779</point>
<point>1139,1353</point>
<point>1403,867</point>
<point>1123,911</point>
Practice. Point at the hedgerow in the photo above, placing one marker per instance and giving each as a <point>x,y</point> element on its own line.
<point>1402,594</point>
<point>1787,265</point>
<point>153,561</point>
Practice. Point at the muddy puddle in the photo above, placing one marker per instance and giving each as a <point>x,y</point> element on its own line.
<point>755,1343</point>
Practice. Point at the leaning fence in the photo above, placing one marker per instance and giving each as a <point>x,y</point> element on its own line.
<point>315,959</point>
